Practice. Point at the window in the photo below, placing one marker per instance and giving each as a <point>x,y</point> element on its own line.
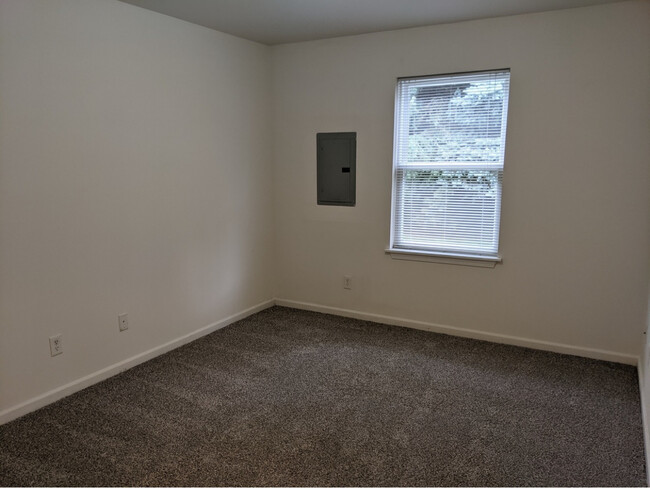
<point>450,133</point>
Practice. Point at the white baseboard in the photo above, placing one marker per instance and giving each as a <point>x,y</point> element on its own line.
<point>51,396</point>
<point>77,385</point>
<point>645,419</point>
<point>469,333</point>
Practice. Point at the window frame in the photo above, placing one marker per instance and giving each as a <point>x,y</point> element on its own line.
<point>456,257</point>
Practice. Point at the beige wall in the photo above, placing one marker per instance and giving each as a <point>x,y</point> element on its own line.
<point>575,219</point>
<point>134,177</point>
<point>644,377</point>
<point>644,382</point>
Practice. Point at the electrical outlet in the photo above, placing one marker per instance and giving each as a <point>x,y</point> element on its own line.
<point>56,345</point>
<point>347,282</point>
<point>123,321</point>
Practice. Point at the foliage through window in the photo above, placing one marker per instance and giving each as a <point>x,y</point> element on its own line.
<point>448,166</point>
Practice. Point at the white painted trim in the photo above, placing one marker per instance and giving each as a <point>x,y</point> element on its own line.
<point>469,333</point>
<point>444,258</point>
<point>644,418</point>
<point>89,380</point>
<point>52,396</point>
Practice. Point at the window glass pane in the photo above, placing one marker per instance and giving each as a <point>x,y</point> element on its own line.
<point>455,122</point>
<point>449,210</point>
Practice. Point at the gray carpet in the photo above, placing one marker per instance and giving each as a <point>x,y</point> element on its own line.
<point>287,397</point>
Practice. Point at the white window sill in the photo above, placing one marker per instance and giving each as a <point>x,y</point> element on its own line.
<point>445,258</point>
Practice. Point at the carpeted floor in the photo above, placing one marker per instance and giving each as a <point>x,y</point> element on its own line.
<point>288,397</point>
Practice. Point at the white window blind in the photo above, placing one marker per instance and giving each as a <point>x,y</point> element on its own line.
<point>450,135</point>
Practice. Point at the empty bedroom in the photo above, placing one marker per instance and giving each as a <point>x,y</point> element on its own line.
<point>324,242</point>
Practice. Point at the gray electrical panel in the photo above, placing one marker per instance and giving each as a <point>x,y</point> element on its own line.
<point>336,162</point>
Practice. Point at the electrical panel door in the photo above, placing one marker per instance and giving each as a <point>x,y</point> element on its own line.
<point>336,168</point>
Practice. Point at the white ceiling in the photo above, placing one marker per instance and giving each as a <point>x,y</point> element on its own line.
<point>282,21</point>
